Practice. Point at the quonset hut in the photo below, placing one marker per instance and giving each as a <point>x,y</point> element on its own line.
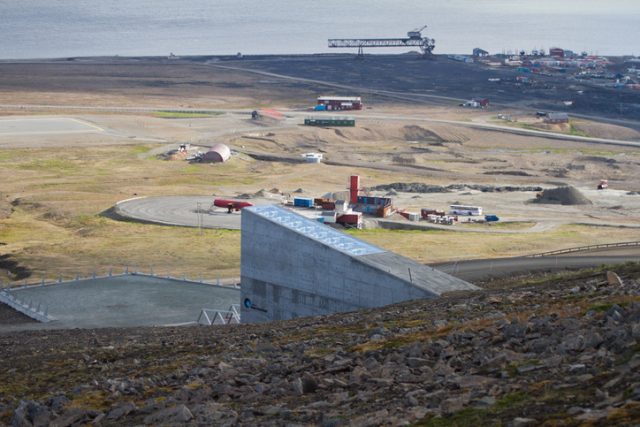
<point>293,266</point>
<point>217,154</point>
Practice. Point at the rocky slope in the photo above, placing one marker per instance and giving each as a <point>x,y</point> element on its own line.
<point>555,350</point>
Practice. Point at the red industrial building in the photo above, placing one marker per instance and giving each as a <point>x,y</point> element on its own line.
<point>340,102</point>
<point>556,52</point>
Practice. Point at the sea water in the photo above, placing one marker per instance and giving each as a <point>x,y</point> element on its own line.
<point>67,28</point>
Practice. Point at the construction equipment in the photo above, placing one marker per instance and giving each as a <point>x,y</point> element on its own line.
<point>414,38</point>
<point>231,205</point>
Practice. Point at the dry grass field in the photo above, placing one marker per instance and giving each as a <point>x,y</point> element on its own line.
<point>55,188</point>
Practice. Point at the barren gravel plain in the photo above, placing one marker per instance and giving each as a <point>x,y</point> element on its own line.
<point>58,184</point>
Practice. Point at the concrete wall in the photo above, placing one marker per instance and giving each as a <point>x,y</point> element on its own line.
<point>286,274</point>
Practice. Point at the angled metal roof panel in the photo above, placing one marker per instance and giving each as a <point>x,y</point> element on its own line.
<point>315,230</point>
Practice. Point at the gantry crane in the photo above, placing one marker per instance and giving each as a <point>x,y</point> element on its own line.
<point>414,38</point>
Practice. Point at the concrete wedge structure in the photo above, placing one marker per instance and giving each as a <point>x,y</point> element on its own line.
<point>293,266</point>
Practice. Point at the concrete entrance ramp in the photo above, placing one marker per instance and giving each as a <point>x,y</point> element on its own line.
<point>293,266</point>
<point>124,301</point>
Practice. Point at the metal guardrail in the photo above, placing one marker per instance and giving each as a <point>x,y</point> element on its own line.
<point>209,316</point>
<point>126,271</point>
<point>584,248</point>
<point>39,312</point>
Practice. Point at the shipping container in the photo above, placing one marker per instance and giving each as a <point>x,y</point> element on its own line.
<point>350,220</point>
<point>328,206</point>
<point>303,202</point>
<point>385,211</point>
<point>425,212</point>
<point>329,216</point>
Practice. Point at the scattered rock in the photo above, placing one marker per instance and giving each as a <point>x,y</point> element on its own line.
<point>394,365</point>
<point>74,416</point>
<point>309,384</point>
<point>121,410</point>
<point>176,414</point>
<point>30,413</point>
<point>613,279</point>
<point>523,422</point>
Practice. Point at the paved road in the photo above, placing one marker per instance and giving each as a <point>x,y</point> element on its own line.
<point>44,126</point>
<point>376,116</point>
<point>475,270</point>
<point>189,211</point>
<point>186,211</point>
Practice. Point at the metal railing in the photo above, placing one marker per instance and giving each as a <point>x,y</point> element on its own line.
<point>209,316</point>
<point>37,312</point>
<point>585,248</point>
<point>113,272</point>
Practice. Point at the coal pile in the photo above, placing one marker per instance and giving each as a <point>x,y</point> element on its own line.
<point>562,196</point>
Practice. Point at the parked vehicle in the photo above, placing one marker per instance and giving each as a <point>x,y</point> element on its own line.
<point>332,103</point>
<point>465,210</point>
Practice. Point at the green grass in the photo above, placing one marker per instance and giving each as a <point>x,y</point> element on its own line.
<point>510,225</point>
<point>475,417</point>
<point>140,149</point>
<point>50,165</point>
<point>575,131</point>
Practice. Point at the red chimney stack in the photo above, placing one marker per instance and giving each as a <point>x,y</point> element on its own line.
<point>354,188</point>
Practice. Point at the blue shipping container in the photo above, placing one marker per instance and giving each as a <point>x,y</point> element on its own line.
<point>303,202</point>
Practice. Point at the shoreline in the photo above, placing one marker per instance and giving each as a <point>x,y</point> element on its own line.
<point>255,56</point>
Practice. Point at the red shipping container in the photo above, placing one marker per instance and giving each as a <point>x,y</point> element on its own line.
<point>350,219</point>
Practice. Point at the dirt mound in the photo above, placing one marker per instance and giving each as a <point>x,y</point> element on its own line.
<point>562,196</point>
<point>417,187</point>
<point>5,209</point>
<point>417,133</point>
<point>172,155</point>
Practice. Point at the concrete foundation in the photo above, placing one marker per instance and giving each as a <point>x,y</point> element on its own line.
<point>124,301</point>
<point>293,266</point>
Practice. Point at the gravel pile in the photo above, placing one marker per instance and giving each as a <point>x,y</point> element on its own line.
<point>562,196</point>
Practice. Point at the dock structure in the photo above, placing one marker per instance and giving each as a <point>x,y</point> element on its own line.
<point>414,38</point>
<point>293,266</point>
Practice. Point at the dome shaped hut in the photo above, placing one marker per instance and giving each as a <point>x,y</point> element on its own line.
<point>217,154</point>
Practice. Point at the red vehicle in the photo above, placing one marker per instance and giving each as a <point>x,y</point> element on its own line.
<point>231,205</point>
<point>332,103</point>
